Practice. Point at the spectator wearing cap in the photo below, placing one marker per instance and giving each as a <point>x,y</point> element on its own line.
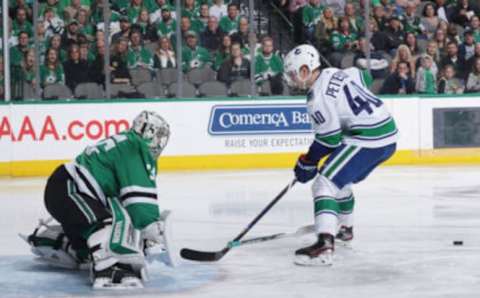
<point>125,29</point>
<point>76,69</point>
<point>211,37</point>
<point>229,23</point>
<point>51,71</point>
<point>394,33</point>
<point>464,12</point>
<point>223,52</point>
<point>70,35</point>
<point>269,66</point>
<point>218,9</point>
<point>426,79</point>
<point>164,56</point>
<point>146,28</point>
<point>71,11</point>
<point>159,6</point>
<point>167,26</point>
<point>473,80</point>
<point>449,83</point>
<point>20,23</point>
<point>399,82</point>
<point>17,53</point>
<point>193,55</point>
<point>236,67</point>
<point>138,56</point>
<point>410,20</point>
<point>429,20</point>
<point>454,59</point>
<point>467,47</point>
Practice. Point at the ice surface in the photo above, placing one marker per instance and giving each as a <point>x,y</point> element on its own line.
<point>406,221</point>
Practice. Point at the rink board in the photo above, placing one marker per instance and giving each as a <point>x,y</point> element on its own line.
<point>206,133</point>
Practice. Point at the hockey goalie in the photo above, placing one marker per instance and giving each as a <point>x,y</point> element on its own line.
<point>106,203</point>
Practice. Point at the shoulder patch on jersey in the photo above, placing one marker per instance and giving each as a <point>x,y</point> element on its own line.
<point>310,95</point>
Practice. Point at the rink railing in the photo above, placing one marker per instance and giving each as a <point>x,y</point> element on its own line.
<point>226,133</point>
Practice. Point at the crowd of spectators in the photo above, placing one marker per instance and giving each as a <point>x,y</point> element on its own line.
<point>415,46</point>
<point>426,47</point>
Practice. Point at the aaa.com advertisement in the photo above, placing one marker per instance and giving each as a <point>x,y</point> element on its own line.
<point>58,131</point>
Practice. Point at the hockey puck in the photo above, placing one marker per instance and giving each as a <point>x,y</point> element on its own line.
<point>457,242</point>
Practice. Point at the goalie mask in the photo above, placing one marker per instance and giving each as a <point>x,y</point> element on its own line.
<point>154,129</point>
<point>303,55</point>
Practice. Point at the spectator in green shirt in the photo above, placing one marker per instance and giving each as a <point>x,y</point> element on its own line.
<point>343,41</point>
<point>190,10</point>
<point>193,55</point>
<point>269,67</point>
<point>311,14</point>
<point>167,26</point>
<point>223,52</point>
<point>84,25</point>
<point>229,23</point>
<point>17,52</point>
<point>52,71</point>
<point>56,43</point>
<point>21,23</point>
<point>138,56</point>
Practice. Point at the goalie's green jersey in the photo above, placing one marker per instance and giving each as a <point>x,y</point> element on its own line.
<point>120,167</point>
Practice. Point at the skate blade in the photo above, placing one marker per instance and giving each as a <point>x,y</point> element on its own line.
<point>126,284</point>
<point>346,244</point>
<point>324,260</point>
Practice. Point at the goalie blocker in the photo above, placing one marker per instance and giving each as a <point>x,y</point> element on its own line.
<point>106,203</point>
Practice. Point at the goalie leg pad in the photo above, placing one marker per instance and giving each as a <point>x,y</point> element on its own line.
<point>117,252</point>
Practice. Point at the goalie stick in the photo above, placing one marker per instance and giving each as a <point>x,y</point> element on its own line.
<point>212,256</point>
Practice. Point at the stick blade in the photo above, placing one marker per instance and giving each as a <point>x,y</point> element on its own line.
<point>202,256</point>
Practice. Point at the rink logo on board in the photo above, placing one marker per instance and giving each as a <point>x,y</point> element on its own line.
<point>258,119</point>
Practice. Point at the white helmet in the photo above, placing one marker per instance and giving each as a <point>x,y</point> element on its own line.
<point>302,55</point>
<point>154,129</point>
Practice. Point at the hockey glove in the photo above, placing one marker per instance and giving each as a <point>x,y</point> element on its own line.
<point>305,170</point>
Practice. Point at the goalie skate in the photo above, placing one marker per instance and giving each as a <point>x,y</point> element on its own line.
<point>116,277</point>
<point>318,254</point>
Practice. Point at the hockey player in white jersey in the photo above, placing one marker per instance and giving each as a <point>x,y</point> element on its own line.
<point>356,133</point>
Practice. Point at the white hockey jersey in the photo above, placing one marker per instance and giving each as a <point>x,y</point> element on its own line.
<point>343,110</point>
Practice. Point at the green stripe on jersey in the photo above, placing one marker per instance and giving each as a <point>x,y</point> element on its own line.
<point>330,140</point>
<point>323,204</point>
<point>375,132</point>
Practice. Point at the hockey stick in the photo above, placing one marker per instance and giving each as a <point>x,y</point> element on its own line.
<point>212,256</point>
<point>299,232</point>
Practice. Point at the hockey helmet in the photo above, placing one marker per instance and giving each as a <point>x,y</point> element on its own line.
<point>153,129</point>
<point>302,55</point>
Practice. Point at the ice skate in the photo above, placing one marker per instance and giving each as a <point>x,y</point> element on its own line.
<point>318,254</point>
<point>118,276</point>
<point>344,236</point>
